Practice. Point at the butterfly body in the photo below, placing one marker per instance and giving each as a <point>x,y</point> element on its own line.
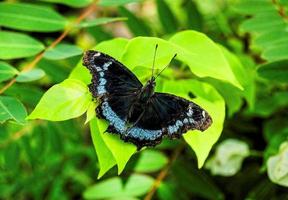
<point>136,112</point>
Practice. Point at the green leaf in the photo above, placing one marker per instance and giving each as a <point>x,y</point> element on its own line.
<point>30,17</point>
<point>263,22</point>
<point>12,108</point>
<point>167,19</point>
<point>275,71</point>
<point>276,52</point>
<point>150,161</point>
<point>100,21</point>
<point>116,2</point>
<point>18,45</point>
<point>31,75</point>
<point>120,150</point>
<point>71,3</point>
<point>194,49</point>
<point>26,93</point>
<point>268,104</point>
<point>191,47</point>
<point>105,157</point>
<point>194,17</point>
<point>136,25</point>
<point>255,6</point>
<point>271,38</point>
<point>7,71</point>
<point>186,175</point>
<point>208,98</point>
<point>90,114</point>
<point>136,185</point>
<point>62,51</point>
<point>12,156</point>
<point>66,100</point>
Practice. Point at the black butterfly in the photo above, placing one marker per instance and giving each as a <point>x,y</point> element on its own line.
<point>135,112</point>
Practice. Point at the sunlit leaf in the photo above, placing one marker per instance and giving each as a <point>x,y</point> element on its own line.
<point>66,100</point>
<point>30,17</point>
<point>191,47</point>
<point>121,150</point>
<point>12,109</point>
<point>105,157</point>
<point>91,112</point>
<point>18,45</point>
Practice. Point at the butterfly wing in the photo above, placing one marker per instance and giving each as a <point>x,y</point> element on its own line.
<point>114,86</point>
<point>170,115</point>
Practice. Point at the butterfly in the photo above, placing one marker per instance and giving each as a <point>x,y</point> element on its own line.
<point>135,111</point>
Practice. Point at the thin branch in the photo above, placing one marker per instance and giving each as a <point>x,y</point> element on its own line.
<point>33,63</point>
<point>161,176</point>
<point>280,9</point>
<point>19,134</point>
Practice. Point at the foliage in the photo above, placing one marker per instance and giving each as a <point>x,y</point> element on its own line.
<point>231,60</point>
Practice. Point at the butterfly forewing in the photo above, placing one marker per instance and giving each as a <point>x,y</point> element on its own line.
<point>144,124</point>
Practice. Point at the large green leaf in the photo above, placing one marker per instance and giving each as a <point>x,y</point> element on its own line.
<point>7,71</point>
<point>192,48</point>
<point>12,108</point>
<point>208,98</point>
<point>136,185</point>
<point>120,150</point>
<point>62,51</point>
<point>18,45</point>
<point>203,56</point>
<point>29,17</point>
<point>105,157</point>
<point>63,101</point>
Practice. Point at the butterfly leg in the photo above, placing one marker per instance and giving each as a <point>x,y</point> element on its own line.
<point>131,126</point>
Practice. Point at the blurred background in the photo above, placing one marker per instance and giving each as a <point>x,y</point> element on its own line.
<point>57,160</point>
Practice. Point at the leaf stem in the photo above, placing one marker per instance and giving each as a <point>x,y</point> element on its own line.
<point>163,173</point>
<point>33,63</point>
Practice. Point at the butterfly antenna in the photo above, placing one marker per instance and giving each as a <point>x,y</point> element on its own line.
<point>166,66</point>
<point>156,47</point>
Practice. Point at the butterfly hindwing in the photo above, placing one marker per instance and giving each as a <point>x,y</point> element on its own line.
<point>143,123</point>
<point>169,115</point>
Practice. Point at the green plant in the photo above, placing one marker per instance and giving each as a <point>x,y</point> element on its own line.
<point>233,63</point>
